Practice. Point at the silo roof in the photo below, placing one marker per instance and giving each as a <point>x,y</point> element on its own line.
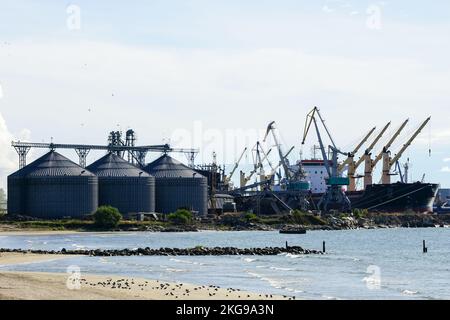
<point>52,164</point>
<point>168,167</point>
<point>111,165</point>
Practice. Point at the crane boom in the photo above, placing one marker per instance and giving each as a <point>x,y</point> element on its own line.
<point>408,143</point>
<point>372,145</point>
<point>351,155</point>
<point>284,162</point>
<point>236,165</point>
<point>244,179</point>
<point>388,162</point>
<point>370,164</point>
<point>390,142</point>
<point>353,166</point>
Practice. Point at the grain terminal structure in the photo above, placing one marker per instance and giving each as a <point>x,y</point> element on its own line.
<point>178,186</point>
<point>123,185</point>
<point>52,187</point>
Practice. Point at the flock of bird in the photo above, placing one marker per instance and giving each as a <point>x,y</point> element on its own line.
<point>176,291</point>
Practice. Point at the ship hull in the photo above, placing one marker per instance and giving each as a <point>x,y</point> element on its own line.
<point>396,197</point>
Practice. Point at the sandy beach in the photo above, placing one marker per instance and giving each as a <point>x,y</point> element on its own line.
<point>56,286</point>
<point>11,230</point>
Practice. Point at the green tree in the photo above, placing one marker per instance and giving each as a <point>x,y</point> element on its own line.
<point>181,216</point>
<point>107,217</point>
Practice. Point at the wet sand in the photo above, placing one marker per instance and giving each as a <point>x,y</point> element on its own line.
<point>61,286</point>
<point>8,258</point>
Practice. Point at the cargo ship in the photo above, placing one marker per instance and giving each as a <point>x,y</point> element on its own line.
<point>395,197</point>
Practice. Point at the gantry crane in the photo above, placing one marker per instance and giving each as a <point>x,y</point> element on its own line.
<point>334,197</point>
<point>370,164</point>
<point>354,165</point>
<point>227,179</point>
<point>389,162</point>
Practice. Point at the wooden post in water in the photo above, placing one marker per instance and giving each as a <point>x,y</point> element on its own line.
<point>287,247</point>
<point>323,246</point>
<point>425,249</point>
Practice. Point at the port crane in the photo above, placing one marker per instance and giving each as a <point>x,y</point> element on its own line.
<point>334,197</point>
<point>389,162</point>
<point>354,165</point>
<point>227,179</point>
<point>257,164</point>
<point>370,164</point>
<point>289,173</point>
<point>274,169</point>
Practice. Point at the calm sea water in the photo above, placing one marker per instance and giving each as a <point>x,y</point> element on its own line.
<point>359,264</point>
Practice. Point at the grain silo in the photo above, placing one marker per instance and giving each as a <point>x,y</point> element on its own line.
<point>52,187</point>
<point>178,186</point>
<point>123,186</point>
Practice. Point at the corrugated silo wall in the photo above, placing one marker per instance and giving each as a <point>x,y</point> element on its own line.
<point>16,196</point>
<point>176,193</point>
<point>128,194</point>
<point>58,197</point>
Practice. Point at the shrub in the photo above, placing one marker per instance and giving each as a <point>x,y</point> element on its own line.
<point>360,213</point>
<point>303,218</point>
<point>107,217</point>
<point>251,217</point>
<point>181,216</point>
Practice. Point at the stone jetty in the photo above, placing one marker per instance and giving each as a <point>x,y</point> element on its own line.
<point>197,251</point>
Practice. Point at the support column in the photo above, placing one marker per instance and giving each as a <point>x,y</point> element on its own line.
<point>351,175</point>
<point>367,170</point>
<point>386,177</point>
<point>22,152</point>
<point>82,154</point>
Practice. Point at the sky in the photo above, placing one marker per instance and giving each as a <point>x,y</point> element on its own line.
<point>212,75</point>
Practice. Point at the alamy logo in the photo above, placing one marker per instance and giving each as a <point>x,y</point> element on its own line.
<point>73,21</point>
<point>73,281</point>
<point>373,21</point>
<point>373,282</point>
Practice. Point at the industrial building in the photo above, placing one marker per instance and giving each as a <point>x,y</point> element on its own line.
<point>178,186</point>
<point>52,187</point>
<point>123,185</point>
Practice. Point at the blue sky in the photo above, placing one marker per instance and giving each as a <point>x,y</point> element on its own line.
<point>162,66</point>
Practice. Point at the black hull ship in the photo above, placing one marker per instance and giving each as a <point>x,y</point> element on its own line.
<point>397,197</point>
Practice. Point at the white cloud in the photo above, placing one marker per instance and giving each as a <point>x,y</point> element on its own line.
<point>158,90</point>
<point>8,158</point>
<point>445,169</point>
<point>327,9</point>
<point>446,159</point>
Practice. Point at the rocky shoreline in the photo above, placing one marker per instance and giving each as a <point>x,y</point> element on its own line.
<point>237,222</point>
<point>197,251</point>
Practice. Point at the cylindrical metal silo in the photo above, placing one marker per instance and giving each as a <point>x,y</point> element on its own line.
<point>123,186</point>
<point>178,186</point>
<point>52,187</point>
